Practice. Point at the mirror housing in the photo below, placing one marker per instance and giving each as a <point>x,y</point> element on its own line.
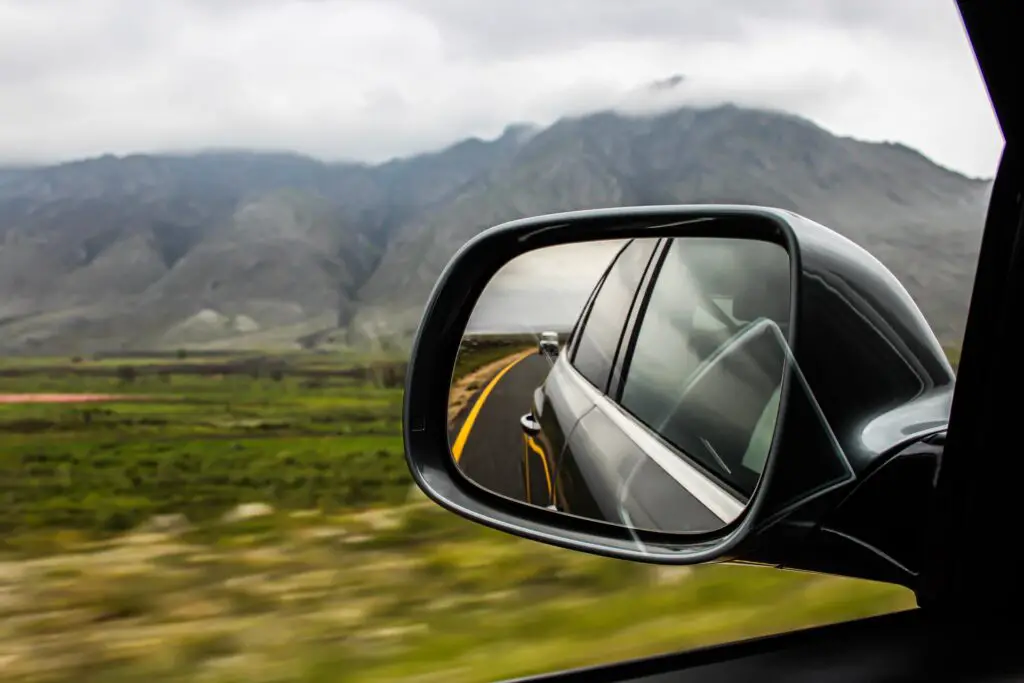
<point>868,381</point>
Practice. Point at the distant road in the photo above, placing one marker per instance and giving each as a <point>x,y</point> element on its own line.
<point>487,438</point>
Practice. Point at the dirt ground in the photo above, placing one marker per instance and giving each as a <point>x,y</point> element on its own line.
<point>65,398</point>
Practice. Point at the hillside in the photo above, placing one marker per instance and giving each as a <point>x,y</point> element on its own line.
<point>248,249</point>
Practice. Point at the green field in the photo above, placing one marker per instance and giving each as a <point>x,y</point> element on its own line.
<point>117,562</point>
<point>201,439</point>
<point>480,350</point>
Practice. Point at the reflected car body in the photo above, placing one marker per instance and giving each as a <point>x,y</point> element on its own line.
<point>586,454</point>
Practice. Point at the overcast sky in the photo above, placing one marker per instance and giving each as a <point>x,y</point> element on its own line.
<point>542,289</point>
<point>378,78</point>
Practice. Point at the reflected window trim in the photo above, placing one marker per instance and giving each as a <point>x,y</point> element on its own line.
<point>710,492</point>
<point>637,310</point>
<point>632,331</point>
<point>584,316</point>
<point>637,294</point>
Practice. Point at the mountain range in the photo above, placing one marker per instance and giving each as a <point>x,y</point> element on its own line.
<point>238,249</point>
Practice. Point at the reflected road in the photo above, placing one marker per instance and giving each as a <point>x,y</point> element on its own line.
<point>487,440</point>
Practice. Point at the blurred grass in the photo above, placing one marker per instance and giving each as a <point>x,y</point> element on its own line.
<point>347,575</point>
<point>407,593</point>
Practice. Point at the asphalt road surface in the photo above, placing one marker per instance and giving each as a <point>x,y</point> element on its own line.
<point>487,440</point>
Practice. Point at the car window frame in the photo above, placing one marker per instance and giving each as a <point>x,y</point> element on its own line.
<point>969,503</point>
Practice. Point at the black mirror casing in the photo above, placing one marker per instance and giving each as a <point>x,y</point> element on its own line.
<point>866,379</point>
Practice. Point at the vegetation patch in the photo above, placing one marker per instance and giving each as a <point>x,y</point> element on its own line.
<point>236,527</point>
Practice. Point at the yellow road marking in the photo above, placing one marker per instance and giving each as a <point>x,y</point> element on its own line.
<point>467,426</point>
<point>526,467</point>
<point>543,459</point>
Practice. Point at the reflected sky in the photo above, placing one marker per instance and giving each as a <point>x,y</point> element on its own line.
<point>543,289</point>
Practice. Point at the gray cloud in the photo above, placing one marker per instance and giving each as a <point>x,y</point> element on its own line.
<point>371,79</point>
<point>492,30</point>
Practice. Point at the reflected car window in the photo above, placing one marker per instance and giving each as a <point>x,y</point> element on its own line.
<point>602,329</point>
<point>698,373</point>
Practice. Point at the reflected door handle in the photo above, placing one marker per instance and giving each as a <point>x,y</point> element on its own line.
<point>529,424</point>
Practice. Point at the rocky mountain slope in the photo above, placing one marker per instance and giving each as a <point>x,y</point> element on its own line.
<point>250,249</point>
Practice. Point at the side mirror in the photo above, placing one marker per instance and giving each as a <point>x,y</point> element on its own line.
<point>548,344</point>
<point>734,374</point>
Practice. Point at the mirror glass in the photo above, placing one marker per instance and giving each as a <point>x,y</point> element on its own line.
<point>635,382</point>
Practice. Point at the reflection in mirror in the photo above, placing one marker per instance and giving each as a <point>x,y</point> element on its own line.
<point>635,382</point>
